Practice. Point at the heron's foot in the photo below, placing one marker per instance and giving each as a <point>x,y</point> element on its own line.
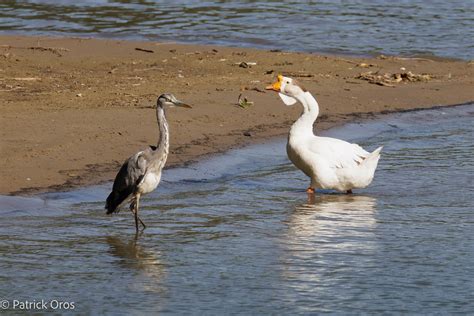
<point>349,192</point>
<point>310,190</point>
<point>139,230</point>
<point>143,224</point>
<point>139,221</point>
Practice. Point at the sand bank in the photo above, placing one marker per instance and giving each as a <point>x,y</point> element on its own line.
<point>73,109</point>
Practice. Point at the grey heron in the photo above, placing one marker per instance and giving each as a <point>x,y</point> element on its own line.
<point>141,173</point>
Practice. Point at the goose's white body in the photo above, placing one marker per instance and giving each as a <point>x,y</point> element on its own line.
<point>330,163</point>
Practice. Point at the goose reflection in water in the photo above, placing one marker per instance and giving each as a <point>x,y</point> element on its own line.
<point>333,214</point>
<point>134,258</point>
<point>333,234</point>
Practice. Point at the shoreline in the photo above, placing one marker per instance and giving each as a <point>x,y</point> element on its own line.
<point>327,53</point>
<point>347,119</point>
<point>74,109</point>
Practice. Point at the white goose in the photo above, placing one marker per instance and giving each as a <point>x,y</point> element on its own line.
<point>330,163</point>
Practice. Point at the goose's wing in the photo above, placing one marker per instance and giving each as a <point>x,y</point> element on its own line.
<point>339,153</point>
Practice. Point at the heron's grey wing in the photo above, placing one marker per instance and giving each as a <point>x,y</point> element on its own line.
<point>137,168</point>
<point>127,179</point>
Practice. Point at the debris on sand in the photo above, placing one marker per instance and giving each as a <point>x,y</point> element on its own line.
<point>246,64</point>
<point>298,74</point>
<point>144,50</point>
<point>404,58</point>
<point>365,65</point>
<point>27,79</point>
<point>55,50</point>
<point>244,102</point>
<point>258,90</point>
<point>388,80</point>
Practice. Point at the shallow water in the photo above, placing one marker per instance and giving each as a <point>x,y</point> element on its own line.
<point>235,233</point>
<point>443,28</point>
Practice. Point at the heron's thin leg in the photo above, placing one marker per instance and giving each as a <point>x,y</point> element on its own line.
<point>137,234</point>
<point>132,205</point>
<point>135,210</point>
<point>136,213</point>
<point>144,226</point>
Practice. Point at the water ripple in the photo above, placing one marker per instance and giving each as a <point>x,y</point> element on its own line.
<point>250,242</point>
<point>355,27</point>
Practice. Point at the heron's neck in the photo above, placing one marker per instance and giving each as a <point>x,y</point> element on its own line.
<point>304,125</point>
<point>163,140</point>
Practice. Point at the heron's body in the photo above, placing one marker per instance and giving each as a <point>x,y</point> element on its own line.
<point>141,173</point>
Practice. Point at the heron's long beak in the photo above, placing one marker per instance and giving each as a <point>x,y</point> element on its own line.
<point>275,86</point>
<point>182,104</point>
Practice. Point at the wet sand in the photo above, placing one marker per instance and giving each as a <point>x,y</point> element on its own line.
<point>74,109</point>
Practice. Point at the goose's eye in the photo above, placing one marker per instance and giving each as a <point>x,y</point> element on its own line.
<point>287,82</point>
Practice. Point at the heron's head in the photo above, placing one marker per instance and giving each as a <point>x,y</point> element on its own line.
<point>287,87</point>
<point>167,99</point>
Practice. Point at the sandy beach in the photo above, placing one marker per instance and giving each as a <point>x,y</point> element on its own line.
<point>72,110</point>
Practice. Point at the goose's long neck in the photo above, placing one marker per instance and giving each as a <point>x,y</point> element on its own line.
<point>304,125</point>
<point>163,140</point>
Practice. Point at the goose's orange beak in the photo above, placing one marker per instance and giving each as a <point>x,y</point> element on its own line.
<point>275,86</point>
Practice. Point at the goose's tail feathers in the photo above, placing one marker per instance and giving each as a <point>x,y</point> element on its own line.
<point>372,159</point>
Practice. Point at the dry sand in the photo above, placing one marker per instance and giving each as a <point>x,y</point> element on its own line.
<point>72,110</point>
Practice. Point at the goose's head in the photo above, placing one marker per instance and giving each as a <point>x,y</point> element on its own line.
<point>287,88</point>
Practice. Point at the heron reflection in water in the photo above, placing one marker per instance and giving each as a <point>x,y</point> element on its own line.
<point>134,257</point>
